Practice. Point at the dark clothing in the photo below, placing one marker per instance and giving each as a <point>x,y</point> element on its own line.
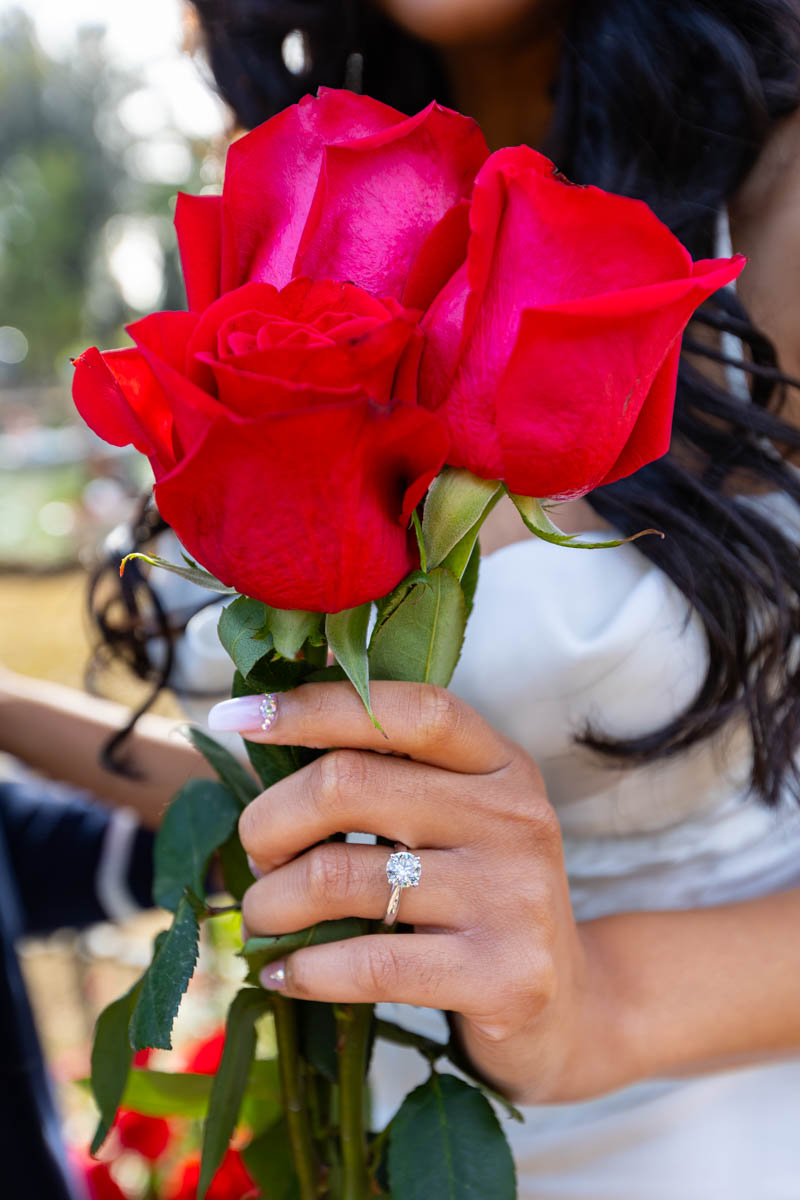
<point>51,843</point>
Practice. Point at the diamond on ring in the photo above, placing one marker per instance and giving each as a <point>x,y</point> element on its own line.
<point>403,869</point>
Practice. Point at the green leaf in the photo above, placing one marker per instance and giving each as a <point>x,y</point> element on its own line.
<point>111,1061</point>
<point>270,763</point>
<point>536,519</point>
<point>239,623</point>
<point>447,1142</point>
<point>457,503</point>
<point>200,818</point>
<point>269,1161</point>
<point>433,1051</point>
<point>165,981</point>
<point>237,778</point>
<point>186,1094</point>
<point>469,579</point>
<point>167,1094</point>
<point>261,951</point>
<point>192,572</point>
<point>316,1031</point>
<point>347,637</point>
<point>236,873</point>
<point>421,639</point>
<point>290,628</point>
<point>230,1081</point>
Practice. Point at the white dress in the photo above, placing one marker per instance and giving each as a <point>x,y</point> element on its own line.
<point>559,638</point>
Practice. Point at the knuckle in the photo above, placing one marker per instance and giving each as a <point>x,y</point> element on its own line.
<point>338,775</point>
<point>441,714</point>
<point>378,970</point>
<point>328,872</point>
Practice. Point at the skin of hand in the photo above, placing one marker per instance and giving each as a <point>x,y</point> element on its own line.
<point>546,1009</point>
<point>494,937</point>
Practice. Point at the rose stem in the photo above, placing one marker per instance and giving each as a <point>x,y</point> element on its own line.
<point>352,1027</point>
<point>297,1121</point>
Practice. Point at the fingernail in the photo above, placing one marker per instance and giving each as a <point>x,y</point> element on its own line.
<point>273,977</point>
<point>244,713</point>
<point>255,871</point>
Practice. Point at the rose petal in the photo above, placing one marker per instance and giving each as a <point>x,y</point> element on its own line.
<point>580,376</point>
<point>198,224</point>
<point>442,253</point>
<point>118,397</point>
<point>271,176</point>
<point>239,514</point>
<point>379,198</point>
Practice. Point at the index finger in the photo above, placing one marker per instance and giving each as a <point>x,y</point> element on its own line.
<point>425,722</point>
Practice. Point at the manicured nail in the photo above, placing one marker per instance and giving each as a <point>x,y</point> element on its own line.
<point>244,714</point>
<point>255,871</point>
<point>273,977</point>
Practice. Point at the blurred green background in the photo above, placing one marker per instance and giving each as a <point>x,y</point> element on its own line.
<point>104,116</point>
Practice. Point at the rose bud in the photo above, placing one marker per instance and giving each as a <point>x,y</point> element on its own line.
<point>552,352</point>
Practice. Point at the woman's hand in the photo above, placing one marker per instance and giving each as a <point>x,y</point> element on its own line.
<point>494,940</point>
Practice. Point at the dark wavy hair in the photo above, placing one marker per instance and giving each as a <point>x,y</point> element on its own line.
<point>670,103</point>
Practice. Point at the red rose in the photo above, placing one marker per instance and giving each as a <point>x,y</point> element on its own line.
<point>552,352</point>
<point>100,1184</point>
<point>335,187</point>
<point>148,1136</point>
<point>206,1055</point>
<point>231,1182</point>
<point>283,433</point>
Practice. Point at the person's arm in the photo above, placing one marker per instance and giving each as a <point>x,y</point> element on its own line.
<point>60,732</point>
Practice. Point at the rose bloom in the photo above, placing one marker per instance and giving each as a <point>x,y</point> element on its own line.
<point>206,1055</point>
<point>280,413</point>
<point>148,1136</point>
<point>552,351</point>
<point>231,1182</point>
<point>96,1176</point>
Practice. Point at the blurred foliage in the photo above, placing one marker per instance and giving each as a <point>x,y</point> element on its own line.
<point>67,172</point>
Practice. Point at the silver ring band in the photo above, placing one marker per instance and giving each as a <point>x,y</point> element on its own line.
<point>403,869</point>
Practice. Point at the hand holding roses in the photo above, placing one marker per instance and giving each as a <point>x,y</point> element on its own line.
<point>494,940</point>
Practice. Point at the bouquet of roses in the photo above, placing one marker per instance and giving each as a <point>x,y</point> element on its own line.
<point>388,329</point>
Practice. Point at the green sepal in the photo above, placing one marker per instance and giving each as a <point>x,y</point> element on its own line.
<point>535,517</point>
<point>346,632</point>
<point>291,628</point>
<point>244,632</point>
<point>200,818</point>
<point>446,1140</point>
<point>261,951</point>
<point>457,503</point>
<point>231,772</point>
<point>230,1081</point>
<point>165,981</point>
<point>469,579</point>
<point>192,573</point>
<point>421,638</point>
<point>112,1056</point>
